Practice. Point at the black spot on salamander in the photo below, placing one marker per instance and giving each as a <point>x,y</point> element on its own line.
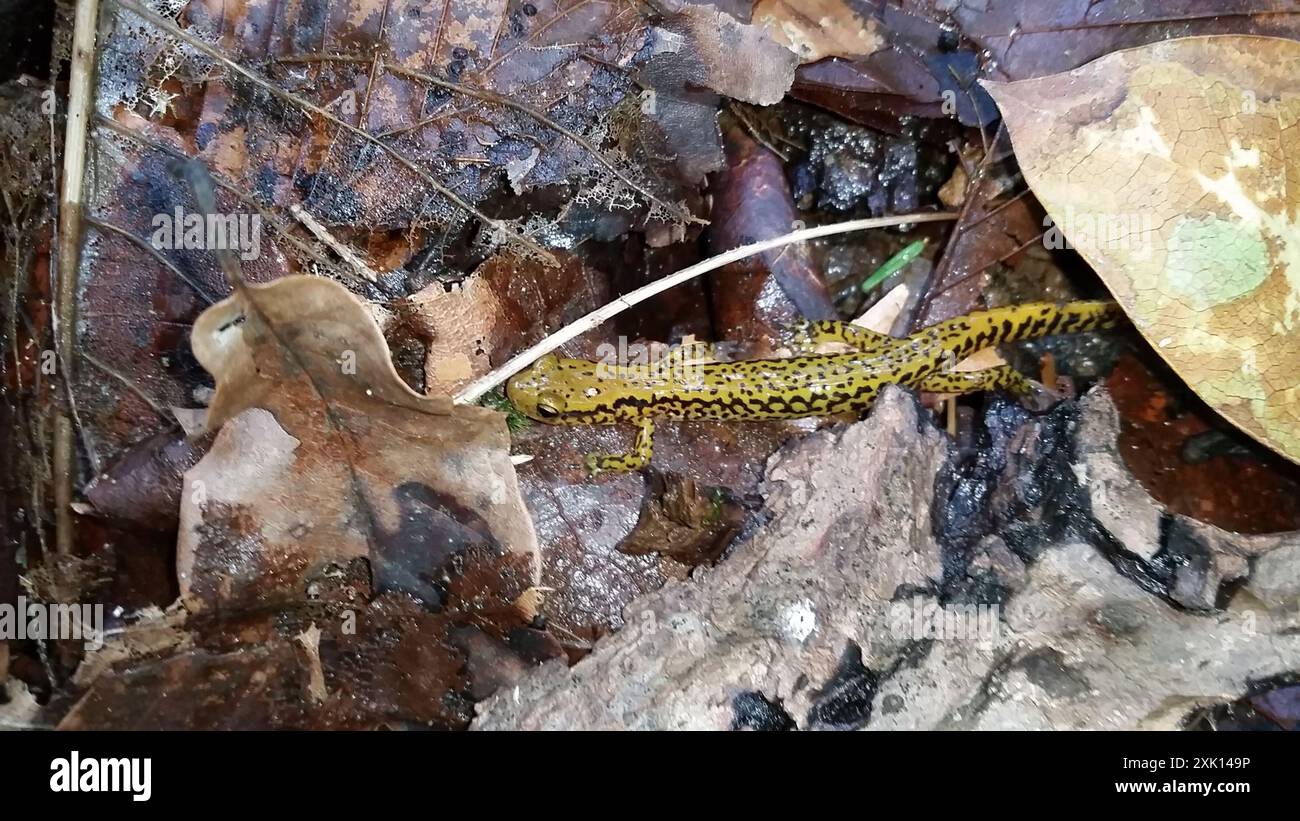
<point>630,402</point>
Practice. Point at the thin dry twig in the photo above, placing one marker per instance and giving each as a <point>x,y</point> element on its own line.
<point>145,246</point>
<point>935,282</point>
<point>162,412</point>
<point>474,390</point>
<point>322,233</point>
<point>80,98</point>
<point>738,111</point>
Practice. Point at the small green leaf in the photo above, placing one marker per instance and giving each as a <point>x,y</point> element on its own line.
<point>894,264</point>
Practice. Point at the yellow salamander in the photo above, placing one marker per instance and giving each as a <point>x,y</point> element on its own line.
<point>562,391</point>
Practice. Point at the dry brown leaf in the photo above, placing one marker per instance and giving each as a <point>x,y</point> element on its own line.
<point>324,454</point>
<point>509,303</point>
<point>1174,169</point>
<point>737,60</point>
<point>883,315</point>
<point>817,29</point>
<point>684,521</point>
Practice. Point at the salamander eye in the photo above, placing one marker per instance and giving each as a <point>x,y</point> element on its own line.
<point>547,411</point>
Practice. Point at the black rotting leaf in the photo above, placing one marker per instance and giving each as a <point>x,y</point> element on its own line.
<point>754,711</point>
<point>844,702</point>
<point>1020,483</point>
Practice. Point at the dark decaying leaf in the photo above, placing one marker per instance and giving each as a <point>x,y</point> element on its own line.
<point>917,69</point>
<point>143,489</point>
<point>479,91</point>
<point>934,50</point>
<point>430,80</point>
<point>754,298</point>
<point>1030,38</point>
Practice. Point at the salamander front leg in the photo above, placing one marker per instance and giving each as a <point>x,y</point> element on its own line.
<point>599,463</point>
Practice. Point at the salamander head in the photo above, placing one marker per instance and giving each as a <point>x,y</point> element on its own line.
<point>563,391</point>
<point>534,391</point>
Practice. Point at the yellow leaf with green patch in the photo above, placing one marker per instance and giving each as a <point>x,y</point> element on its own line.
<point>1174,169</point>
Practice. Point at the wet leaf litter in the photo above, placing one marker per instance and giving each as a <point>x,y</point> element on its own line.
<point>298,525</point>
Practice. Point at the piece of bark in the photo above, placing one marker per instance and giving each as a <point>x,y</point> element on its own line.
<point>850,524</point>
<point>1082,647</point>
<point>830,614</point>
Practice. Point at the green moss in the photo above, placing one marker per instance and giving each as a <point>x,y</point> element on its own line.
<point>496,400</point>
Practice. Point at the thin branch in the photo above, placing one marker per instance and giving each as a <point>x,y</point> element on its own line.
<point>298,102</point>
<point>376,65</point>
<point>739,113</point>
<point>81,92</point>
<point>131,386</point>
<point>319,58</point>
<point>1008,255</point>
<point>483,384</point>
<point>153,252</point>
<point>322,233</point>
<point>934,281</point>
